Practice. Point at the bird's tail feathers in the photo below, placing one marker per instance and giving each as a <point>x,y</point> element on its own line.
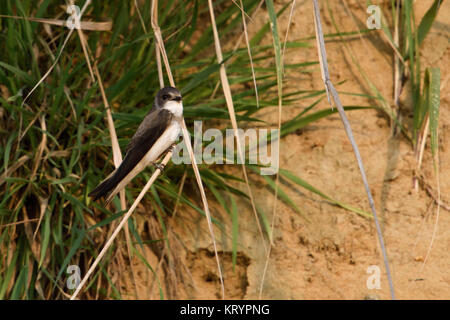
<point>110,195</point>
<point>103,189</point>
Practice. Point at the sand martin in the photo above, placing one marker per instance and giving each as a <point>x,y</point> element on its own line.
<point>157,133</point>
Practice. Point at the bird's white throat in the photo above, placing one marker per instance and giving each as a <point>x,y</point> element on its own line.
<point>176,107</point>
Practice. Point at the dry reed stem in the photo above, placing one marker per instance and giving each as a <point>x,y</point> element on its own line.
<point>13,168</point>
<point>35,168</point>
<point>435,229</point>
<point>236,46</point>
<point>180,190</point>
<point>337,102</point>
<point>115,146</point>
<point>84,25</point>
<point>198,178</point>
<point>249,51</point>
<point>160,46</point>
<point>186,137</point>
<point>241,8</point>
<point>422,140</point>
<point>291,14</point>
<point>18,222</point>
<point>157,51</point>
<point>230,106</point>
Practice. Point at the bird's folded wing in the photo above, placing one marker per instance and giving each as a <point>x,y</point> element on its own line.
<point>151,128</point>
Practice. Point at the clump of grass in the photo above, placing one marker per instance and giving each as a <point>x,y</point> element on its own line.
<point>425,88</point>
<point>406,39</point>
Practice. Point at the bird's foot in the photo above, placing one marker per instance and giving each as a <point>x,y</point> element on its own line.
<point>171,148</point>
<point>159,166</point>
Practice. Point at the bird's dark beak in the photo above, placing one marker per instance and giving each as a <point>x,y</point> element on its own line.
<point>177,98</point>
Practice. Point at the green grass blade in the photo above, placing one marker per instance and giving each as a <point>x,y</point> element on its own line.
<point>433,86</point>
<point>297,180</point>
<point>427,21</point>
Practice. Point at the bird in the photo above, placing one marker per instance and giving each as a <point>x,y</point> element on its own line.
<point>156,134</point>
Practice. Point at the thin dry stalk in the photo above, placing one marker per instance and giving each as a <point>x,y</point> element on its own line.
<point>432,194</point>
<point>180,190</point>
<point>397,76</point>
<point>13,168</point>
<point>241,8</point>
<point>420,149</point>
<point>249,51</point>
<point>422,142</point>
<point>84,25</point>
<point>18,222</point>
<point>39,112</point>
<point>230,106</point>
<point>43,203</point>
<point>116,149</point>
<point>117,156</point>
<point>186,137</point>
<point>436,222</point>
<point>86,54</point>
<point>337,102</point>
<point>422,226</point>
<point>291,14</point>
<point>237,45</point>
<point>157,51</point>
<point>160,45</point>
<point>242,36</point>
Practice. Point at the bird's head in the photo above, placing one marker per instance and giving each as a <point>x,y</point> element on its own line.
<point>167,94</point>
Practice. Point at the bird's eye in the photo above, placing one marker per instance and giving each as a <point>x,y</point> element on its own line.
<point>165,97</point>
